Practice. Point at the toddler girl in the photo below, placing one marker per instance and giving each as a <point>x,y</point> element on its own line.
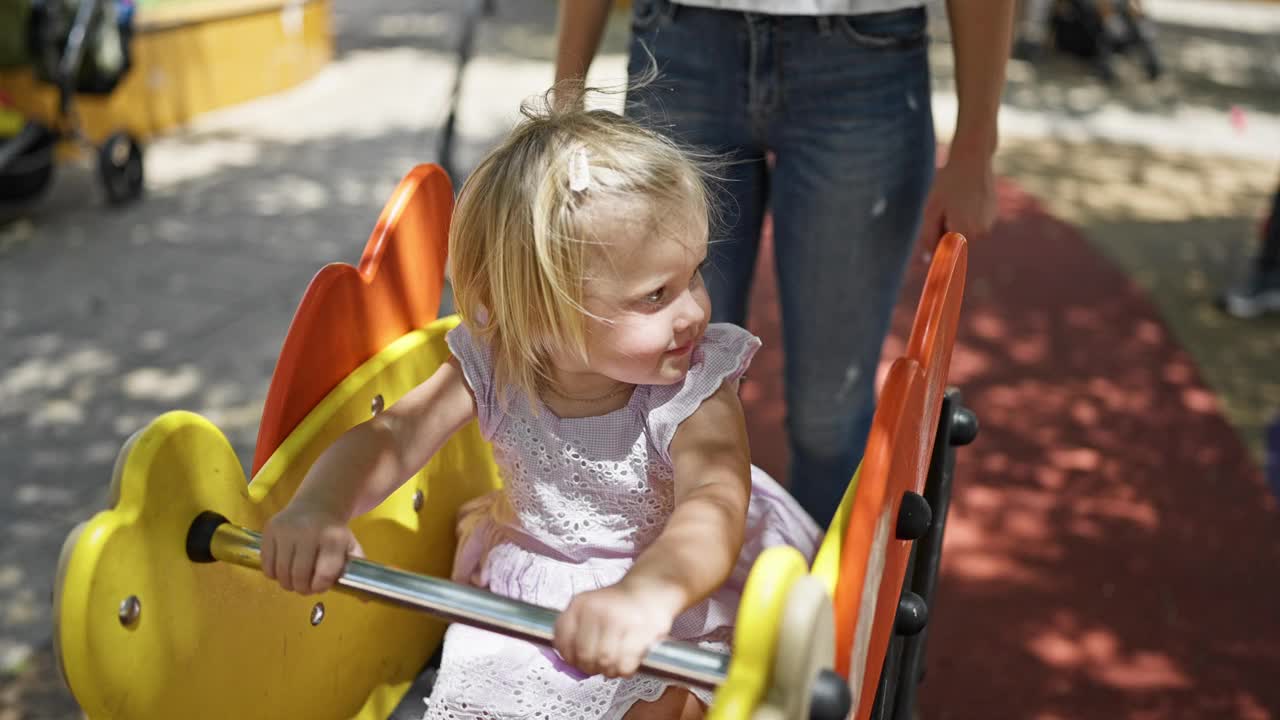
<point>628,500</point>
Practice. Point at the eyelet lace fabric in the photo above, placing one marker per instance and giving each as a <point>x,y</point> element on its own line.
<point>611,504</point>
<point>512,679</point>
<point>581,498</point>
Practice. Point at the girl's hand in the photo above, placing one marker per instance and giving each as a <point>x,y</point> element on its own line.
<point>609,631</point>
<point>306,548</point>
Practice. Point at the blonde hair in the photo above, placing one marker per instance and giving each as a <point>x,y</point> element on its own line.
<point>519,238</point>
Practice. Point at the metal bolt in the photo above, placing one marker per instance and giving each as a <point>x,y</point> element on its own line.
<point>317,614</point>
<point>417,500</point>
<point>376,406</point>
<point>119,153</point>
<point>130,611</point>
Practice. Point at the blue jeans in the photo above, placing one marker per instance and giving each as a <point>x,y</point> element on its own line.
<point>843,104</point>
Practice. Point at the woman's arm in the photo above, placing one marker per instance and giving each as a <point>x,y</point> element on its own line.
<point>963,197</point>
<point>580,25</point>
<point>981,34</point>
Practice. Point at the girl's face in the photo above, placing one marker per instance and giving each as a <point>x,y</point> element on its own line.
<point>645,290</point>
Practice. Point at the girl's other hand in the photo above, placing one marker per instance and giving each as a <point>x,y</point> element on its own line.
<point>306,548</point>
<point>609,631</point>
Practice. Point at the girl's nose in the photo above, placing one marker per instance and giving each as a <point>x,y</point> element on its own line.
<point>690,313</point>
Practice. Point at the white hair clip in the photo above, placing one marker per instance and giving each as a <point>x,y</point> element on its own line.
<point>579,170</point>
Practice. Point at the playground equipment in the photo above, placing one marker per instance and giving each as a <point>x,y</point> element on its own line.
<point>161,611</point>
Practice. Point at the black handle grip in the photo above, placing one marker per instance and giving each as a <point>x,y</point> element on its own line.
<point>831,698</point>
<point>200,536</point>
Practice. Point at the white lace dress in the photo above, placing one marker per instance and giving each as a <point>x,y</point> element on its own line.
<point>582,498</point>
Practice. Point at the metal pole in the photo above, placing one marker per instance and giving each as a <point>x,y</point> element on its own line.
<point>213,538</point>
<point>451,601</point>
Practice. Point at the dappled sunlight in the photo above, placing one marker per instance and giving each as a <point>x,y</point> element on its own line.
<point>68,400</point>
<point>1098,653</point>
<point>1099,490</point>
<point>1092,525</point>
<point>1249,707</point>
<point>1200,400</point>
<point>10,577</point>
<point>147,383</point>
<point>292,194</point>
<point>239,419</point>
<point>204,156</point>
<point>1208,71</point>
<point>42,495</point>
<point>1099,181</point>
<point>965,363</point>
<point>399,26</point>
<point>1226,65</point>
<point>50,372</point>
<point>108,320</point>
<point>57,412</point>
<point>988,326</point>
<point>1134,204</point>
<point>1082,459</point>
<point>14,235</point>
<point>996,567</point>
<point>1105,510</point>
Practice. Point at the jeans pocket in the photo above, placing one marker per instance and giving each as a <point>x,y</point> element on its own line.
<point>645,14</point>
<point>897,29</point>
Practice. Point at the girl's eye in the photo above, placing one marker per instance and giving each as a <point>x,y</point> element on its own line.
<point>656,296</point>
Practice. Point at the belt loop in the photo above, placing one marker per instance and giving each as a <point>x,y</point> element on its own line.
<point>672,9</point>
<point>824,25</point>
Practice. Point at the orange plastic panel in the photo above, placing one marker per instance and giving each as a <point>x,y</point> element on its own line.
<point>348,314</point>
<point>896,461</point>
<point>874,561</point>
<point>933,332</point>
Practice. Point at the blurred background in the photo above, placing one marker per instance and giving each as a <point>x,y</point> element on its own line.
<point>1113,548</point>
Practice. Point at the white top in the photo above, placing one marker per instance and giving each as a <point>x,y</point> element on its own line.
<point>805,7</point>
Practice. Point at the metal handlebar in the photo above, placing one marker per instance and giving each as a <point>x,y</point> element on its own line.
<point>214,538</point>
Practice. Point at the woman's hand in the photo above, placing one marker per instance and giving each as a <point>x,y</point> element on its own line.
<point>305,547</point>
<point>609,631</point>
<point>962,199</point>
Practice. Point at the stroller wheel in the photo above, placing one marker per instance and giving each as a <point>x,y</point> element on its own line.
<point>28,173</point>
<point>120,167</point>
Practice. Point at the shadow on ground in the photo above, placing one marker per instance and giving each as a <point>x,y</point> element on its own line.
<point>112,318</point>
<point>1105,515</point>
<point>1209,69</point>
<point>1182,228</point>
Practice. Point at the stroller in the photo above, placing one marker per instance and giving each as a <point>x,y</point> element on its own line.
<point>80,46</point>
<point>1095,31</point>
